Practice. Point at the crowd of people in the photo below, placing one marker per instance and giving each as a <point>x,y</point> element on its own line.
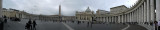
<point>31,25</point>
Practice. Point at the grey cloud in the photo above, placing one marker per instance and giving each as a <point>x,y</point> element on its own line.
<point>50,7</point>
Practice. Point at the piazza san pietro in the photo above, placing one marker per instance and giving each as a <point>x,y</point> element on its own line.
<point>143,15</point>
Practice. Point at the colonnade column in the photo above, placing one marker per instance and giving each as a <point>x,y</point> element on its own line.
<point>138,14</point>
<point>122,18</point>
<point>158,10</point>
<point>148,11</point>
<point>130,17</point>
<point>106,19</point>
<point>142,14</point>
<point>112,19</point>
<point>145,12</point>
<point>141,11</point>
<point>152,10</point>
<point>125,18</point>
<point>116,19</point>
<point>0,8</point>
<point>109,19</point>
<point>134,16</point>
<point>119,19</point>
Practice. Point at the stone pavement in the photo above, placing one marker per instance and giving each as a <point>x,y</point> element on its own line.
<point>68,25</point>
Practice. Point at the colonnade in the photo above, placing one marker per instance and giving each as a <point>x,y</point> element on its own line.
<point>143,11</point>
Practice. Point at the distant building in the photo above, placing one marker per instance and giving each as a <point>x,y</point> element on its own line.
<point>68,17</point>
<point>11,13</point>
<point>102,12</point>
<point>118,9</point>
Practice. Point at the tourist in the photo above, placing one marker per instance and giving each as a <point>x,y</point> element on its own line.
<point>27,26</point>
<point>34,25</point>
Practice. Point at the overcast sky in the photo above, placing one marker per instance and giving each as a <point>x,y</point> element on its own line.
<point>50,7</point>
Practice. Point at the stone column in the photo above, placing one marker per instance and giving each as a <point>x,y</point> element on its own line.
<point>158,10</point>
<point>116,19</point>
<point>142,13</point>
<point>112,18</point>
<point>145,12</point>
<point>134,16</point>
<point>138,14</point>
<point>152,10</point>
<point>106,19</point>
<point>0,8</point>
<point>109,19</point>
<point>127,17</point>
<point>140,17</point>
<point>122,18</point>
<point>148,11</point>
<point>130,16</point>
<point>119,19</point>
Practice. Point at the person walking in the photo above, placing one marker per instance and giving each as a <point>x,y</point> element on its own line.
<point>5,19</point>
<point>34,25</point>
<point>28,26</point>
<point>158,25</point>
